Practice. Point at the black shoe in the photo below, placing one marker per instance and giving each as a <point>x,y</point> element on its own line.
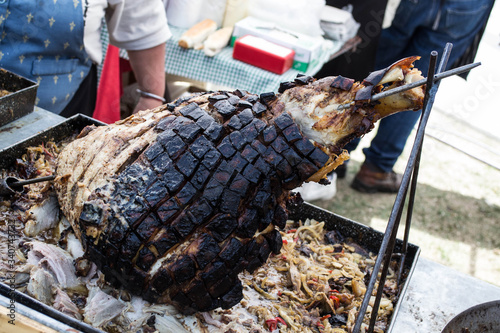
<point>341,171</point>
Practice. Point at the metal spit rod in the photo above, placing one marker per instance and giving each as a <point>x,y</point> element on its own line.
<point>388,242</point>
<point>437,77</point>
<point>411,200</point>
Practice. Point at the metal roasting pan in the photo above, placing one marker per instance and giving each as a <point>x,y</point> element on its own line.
<point>368,238</point>
<point>57,132</point>
<point>21,101</point>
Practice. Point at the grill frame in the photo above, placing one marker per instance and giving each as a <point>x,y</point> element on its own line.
<point>406,193</point>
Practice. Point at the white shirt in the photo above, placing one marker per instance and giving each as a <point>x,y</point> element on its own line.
<point>132,24</point>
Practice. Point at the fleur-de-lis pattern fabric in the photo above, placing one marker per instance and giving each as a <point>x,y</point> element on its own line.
<point>42,40</point>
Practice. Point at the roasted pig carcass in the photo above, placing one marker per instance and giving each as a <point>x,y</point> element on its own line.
<point>173,203</point>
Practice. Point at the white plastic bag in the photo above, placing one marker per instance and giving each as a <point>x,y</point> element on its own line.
<point>338,24</point>
<point>301,16</point>
<point>214,10</point>
<point>186,13</point>
<point>235,10</point>
<point>313,191</point>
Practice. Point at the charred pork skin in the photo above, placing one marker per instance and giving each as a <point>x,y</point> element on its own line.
<point>173,203</point>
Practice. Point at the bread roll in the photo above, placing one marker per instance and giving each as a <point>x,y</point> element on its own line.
<point>217,41</point>
<point>194,37</point>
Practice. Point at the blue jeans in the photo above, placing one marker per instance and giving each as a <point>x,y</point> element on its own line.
<point>419,27</point>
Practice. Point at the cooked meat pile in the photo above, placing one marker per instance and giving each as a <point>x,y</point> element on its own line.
<point>173,203</point>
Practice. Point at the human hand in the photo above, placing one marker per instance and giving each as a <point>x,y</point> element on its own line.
<point>145,103</point>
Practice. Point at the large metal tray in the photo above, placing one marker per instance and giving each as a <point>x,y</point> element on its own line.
<point>20,101</point>
<point>366,237</point>
<point>57,132</point>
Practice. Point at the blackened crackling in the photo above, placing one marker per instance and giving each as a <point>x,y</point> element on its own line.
<point>202,191</point>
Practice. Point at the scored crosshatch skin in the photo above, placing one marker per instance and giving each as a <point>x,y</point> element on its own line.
<point>173,203</point>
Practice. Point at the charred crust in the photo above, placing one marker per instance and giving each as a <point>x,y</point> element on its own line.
<point>164,240</point>
<point>285,86</point>
<point>233,99</point>
<point>302,79</point>
<point>192,111</point>
<point>374,77</point>
<point>232,297</point>
<point>342,83</point>
<point>283,121</point>
<point>225,108</point>
<point>364,94</point>
<point>221,226</point>
<point>275,241</point>
<point>183,268</point>
<point>197,292</point>
<point>267,98</point>
<point>258,108</point>
<point>217,97</point>
<point>203,250</point>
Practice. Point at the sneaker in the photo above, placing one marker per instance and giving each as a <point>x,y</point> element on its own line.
<point>371,179</point>
<point>313,191</point>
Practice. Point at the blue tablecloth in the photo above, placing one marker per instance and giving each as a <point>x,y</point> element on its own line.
<point>223,70</point>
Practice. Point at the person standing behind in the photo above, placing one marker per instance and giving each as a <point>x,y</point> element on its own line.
<point>57,44</point>
<point>418,28</point>
<point>355,64</point>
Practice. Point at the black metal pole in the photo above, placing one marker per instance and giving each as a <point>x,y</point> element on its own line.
<point>413,188</point>
<point>411,171</point>
<point>399,201</point>
<point>385,270</point>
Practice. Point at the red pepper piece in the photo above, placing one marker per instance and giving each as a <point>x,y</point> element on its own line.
<point>325,317</point>
<point>336,301</point>
<point>271,324</point>
<point>281,320</point>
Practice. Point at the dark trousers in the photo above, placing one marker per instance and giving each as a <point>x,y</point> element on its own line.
<point>85,97</point>
<point>419,27</point>
<point>359,63</point>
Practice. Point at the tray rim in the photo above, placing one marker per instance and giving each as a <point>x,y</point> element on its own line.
<point>29,92</point>
<point>37,137</point>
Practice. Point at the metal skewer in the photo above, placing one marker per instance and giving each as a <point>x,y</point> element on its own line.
<point>11,185</point>
<point>439,76</point>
